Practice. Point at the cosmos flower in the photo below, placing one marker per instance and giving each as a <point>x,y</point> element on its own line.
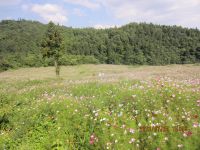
<point>120,114</point>
<point>133,96</point>
<point>166,138</point>
<point>96,114</point>
<point>120,105</point>
<point>93,139</point>
<point>184,134</point>
<point>198,102</point>
<point>123,126</point>
<point>132,140</point>
<point>180,145</point>
<point>173,95</point>
<point>131,130</point>
<point>187,133</point>
<point>195,124</point>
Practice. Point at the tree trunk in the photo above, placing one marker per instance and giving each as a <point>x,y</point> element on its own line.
<point>57,67</point>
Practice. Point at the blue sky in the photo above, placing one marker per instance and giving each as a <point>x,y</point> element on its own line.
<point>104,13</point>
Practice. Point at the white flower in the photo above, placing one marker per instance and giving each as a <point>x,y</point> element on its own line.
<point>131,130</point>
<point>180,145</point>
<point>123,126</point>
<point>136,112</point>
<point>132,140</point>
<point>170,118</point>
<point>120,105</point>
<point>103,119</point>
<point>133,96</point>
<point>166,138</point>
<point>120,114</point>
<point>184,134</point>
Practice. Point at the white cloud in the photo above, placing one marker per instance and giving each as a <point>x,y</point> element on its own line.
<point>9,2</point>
<point>25,7</point>
<point>49,12</point>
<point>85,3</point>
<point>171,12</point>
<point>180,12</point>
<point>9,18</point>
<point>78,12</point>
<point>105,26</point>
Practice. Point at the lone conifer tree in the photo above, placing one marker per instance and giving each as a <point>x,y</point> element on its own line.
<point>52,45</point>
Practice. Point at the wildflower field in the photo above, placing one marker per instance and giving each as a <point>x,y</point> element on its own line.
<point>96,107</point>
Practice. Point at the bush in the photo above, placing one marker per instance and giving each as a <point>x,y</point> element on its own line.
<point>4,65</point>
<point>78,59</point>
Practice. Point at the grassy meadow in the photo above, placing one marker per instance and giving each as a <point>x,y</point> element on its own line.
<point>96,107</point>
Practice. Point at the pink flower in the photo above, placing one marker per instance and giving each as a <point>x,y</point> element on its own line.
<point>93,139</point>
<point>157,148</point>
<point>187,133</point>
<point>198,102</point>
<point>195,124</point>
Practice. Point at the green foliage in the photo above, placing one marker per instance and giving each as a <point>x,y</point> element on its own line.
<point>130,44</point>
<point>4,65</point>
<point>52,45</point>
<point>52,42</point>
<point>78,59</point>
<point>59,116</point>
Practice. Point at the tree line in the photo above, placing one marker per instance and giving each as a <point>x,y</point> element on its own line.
<point>134,43</point>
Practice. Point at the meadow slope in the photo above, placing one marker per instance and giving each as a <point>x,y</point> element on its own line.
<point>101,107</point>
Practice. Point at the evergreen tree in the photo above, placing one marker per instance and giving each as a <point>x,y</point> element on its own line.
<point>52,45</point>
<point>20,43</point>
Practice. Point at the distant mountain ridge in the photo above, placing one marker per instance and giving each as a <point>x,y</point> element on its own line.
<point>130,44</point>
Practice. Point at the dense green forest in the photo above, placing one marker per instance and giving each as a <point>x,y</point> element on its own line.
<point>20,45</point>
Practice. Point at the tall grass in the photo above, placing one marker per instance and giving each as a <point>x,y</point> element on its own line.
<point>53,114</point>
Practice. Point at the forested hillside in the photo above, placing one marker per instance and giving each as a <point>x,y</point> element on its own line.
<point>130,44</point>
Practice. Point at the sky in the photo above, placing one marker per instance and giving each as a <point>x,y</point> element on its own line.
<point>104,13</point>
